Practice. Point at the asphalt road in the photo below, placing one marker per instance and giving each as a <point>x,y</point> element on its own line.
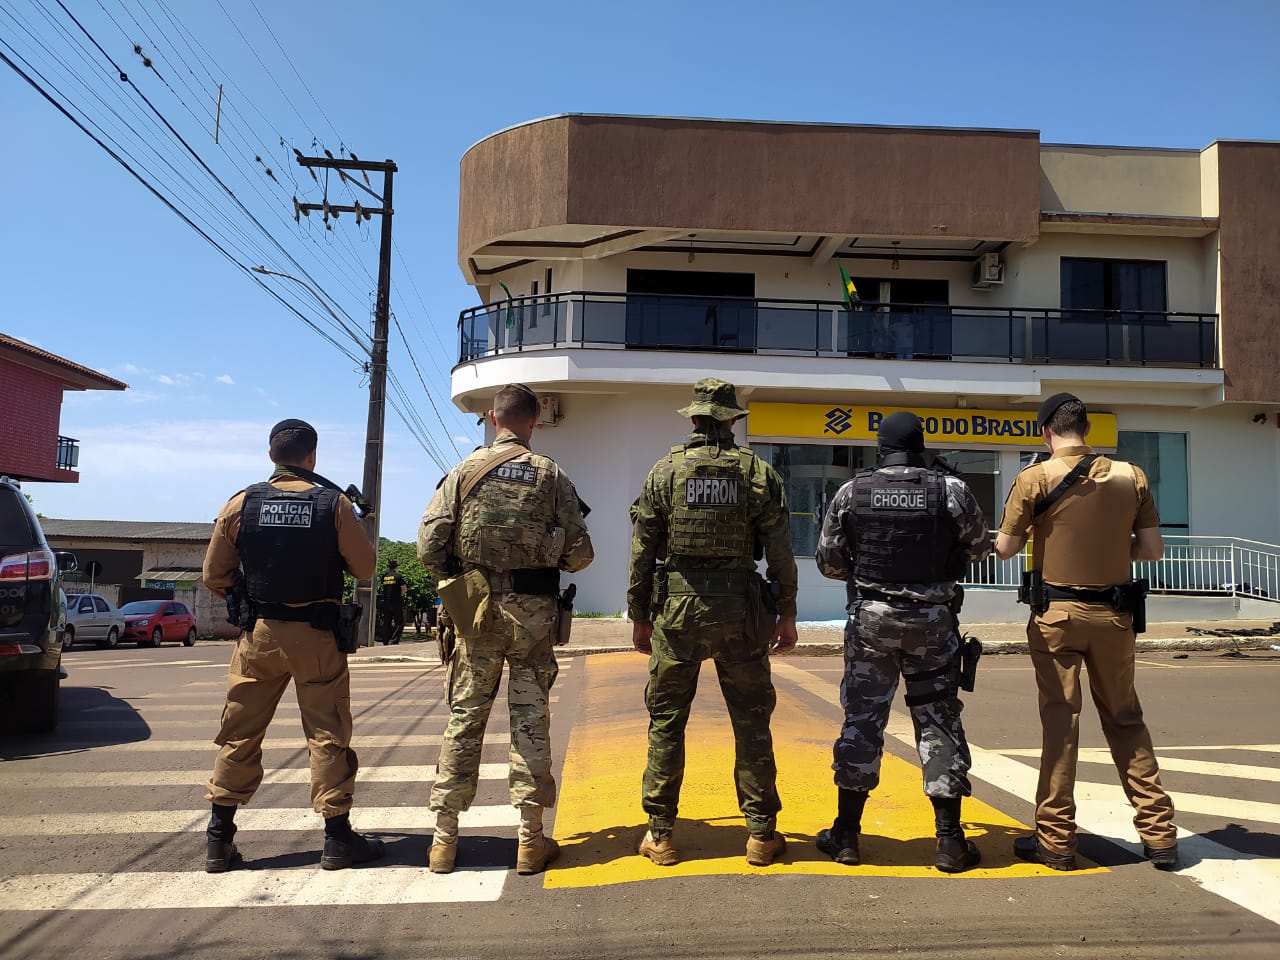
<point>101,839</point>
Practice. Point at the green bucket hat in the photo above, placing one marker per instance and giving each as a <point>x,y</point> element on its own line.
<point>713,398</point>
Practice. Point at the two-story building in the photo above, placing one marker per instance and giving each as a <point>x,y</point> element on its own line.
<point>619,259</point>
<point>33,382</point>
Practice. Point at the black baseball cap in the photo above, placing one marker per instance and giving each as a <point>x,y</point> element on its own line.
<point>291,425</point>
<point>1050,407</point>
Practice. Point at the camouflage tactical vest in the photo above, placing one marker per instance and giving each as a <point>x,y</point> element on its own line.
<point>709,504</point>
<point>508,521</point>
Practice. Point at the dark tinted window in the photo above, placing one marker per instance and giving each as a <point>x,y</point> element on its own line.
<point>142,606</point>
<point>100,604</point>
<point>15,529</point>
<point>1113,285</point>
<point>86,605</point>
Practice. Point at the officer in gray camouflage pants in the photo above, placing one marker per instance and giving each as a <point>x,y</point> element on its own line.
<point>900,537</point>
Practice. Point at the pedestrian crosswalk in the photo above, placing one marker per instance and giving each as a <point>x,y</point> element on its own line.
<point>125,778</point>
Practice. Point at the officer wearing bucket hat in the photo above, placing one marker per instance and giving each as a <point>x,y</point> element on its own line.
<point>285,544</point>
<point>1092,516</point>
<point>706,511</point>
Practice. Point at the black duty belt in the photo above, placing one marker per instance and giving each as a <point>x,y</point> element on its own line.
<point>1106,596</point>
<point>322,615</point>
<point>537,581</point>
<point>866,594</point>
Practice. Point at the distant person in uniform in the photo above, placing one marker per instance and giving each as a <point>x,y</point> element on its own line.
<point>1100,519</point>
<point>900,537</point>
<point>392,590</point>
<point>512,519</point>
<point>702,512</point>
<point>282,547</point>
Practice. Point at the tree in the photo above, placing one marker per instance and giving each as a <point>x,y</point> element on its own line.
<point>421,583</point>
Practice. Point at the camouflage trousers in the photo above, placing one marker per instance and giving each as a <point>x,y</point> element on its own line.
<point>743,670</point>
<point>918,642</point>
<point>519,635</point>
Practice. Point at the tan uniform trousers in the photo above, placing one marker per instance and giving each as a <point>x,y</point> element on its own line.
<point>1065,636</point>
<point>518,635</point>
<point>261,668</point>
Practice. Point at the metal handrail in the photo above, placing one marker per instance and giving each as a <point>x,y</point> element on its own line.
<point>783,325</point>
<point>1191,566</point>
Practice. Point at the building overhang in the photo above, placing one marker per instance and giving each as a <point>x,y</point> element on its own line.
<point>582,187</point>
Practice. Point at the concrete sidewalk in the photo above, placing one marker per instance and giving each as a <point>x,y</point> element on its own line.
<point>613,635</point>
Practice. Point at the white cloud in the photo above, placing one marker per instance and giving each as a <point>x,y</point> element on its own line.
<point>165,379</point>
<point>225,378</point>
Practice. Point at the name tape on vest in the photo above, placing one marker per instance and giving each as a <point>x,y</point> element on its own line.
<point>518,472</point>
<point>710,492</point>
<point>882,499</point>
<point>285,513</point>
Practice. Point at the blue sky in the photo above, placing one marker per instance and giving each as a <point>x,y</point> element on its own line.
<point>94,268</point>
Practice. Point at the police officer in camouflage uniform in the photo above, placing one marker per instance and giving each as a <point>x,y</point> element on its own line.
<point>900,536</point>
<point>519,526</point>
<point>703,510</point>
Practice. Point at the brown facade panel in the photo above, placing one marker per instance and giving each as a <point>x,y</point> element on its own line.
<point>798,178</point>
<point>515,180</point>
<point>771,177</point>
<point>1249,213</point>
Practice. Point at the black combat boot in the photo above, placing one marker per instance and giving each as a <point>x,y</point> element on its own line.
<point>955,853</point>
<point>841,841</point>
<point>343,846</point>
<point>220,853</point>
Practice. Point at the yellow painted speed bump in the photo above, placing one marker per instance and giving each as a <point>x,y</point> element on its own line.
<point>599,820</point>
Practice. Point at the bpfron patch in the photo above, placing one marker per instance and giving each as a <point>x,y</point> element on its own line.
<point>710,491</point>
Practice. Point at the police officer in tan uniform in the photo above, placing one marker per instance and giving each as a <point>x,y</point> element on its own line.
<point>506,521</point>
<point>283,545</point>
<point>1101,518</point>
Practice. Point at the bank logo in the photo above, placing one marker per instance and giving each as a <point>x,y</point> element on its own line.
<point>838,421</point>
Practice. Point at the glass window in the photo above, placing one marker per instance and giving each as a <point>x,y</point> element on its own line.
<point>100,604</point>
<point>811,474</point>
<point>1163,458</point>
<point>1113,284</point>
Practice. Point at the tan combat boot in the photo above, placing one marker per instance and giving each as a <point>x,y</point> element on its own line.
<point>662,852</point>
<point>533,857</point>
<point>761,853</point>
<point>442,856</point>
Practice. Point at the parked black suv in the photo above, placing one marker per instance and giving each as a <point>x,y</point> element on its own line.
<point>32,613</point>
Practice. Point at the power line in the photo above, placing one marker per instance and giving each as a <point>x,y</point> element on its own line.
<point>425,389</point>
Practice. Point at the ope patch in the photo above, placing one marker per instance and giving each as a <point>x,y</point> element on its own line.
<point>710,491</point>
<point>285,513</point>
<point>887,499</point>
<point>517,472</point>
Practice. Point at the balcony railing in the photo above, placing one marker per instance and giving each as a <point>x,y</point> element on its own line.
<point>68,453</point>
<point>826,328</point>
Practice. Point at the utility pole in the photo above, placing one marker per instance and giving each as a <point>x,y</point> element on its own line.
<point>372,485</point>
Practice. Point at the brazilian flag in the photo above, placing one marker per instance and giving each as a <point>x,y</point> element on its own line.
<point>850,289</point>
<point>511,314</point>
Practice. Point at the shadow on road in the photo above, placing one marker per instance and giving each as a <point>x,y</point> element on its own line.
<point>88,717</point>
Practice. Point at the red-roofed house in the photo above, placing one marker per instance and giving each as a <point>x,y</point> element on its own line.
<point>32,382</point>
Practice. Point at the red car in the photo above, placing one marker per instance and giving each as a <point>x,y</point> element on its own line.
<point>151,622</point>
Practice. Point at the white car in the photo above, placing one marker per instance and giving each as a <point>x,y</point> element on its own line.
<point>92,618</point>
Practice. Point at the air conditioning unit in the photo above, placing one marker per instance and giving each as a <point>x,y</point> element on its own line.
<point>548,411</point>
<point>988,271</point>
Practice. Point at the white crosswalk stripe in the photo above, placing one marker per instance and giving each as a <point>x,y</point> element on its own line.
<point>248,888</point>
<point>358,741</point>
<point>412,773</point>
<point>274,819</point>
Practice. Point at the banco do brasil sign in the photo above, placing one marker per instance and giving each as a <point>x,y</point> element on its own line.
<point>942,427</point>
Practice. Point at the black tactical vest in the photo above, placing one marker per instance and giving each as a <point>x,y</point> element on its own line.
<point>904,532</point>
<point>288,544</point>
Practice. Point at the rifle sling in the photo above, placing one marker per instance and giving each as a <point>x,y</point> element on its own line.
<point>1056,494</point>
<point>487,467</point>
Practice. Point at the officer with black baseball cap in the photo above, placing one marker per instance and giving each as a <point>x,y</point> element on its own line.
<point>283,546</point>
<point>1092,517</point>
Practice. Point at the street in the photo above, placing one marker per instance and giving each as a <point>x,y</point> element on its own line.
<point>102,834</point>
